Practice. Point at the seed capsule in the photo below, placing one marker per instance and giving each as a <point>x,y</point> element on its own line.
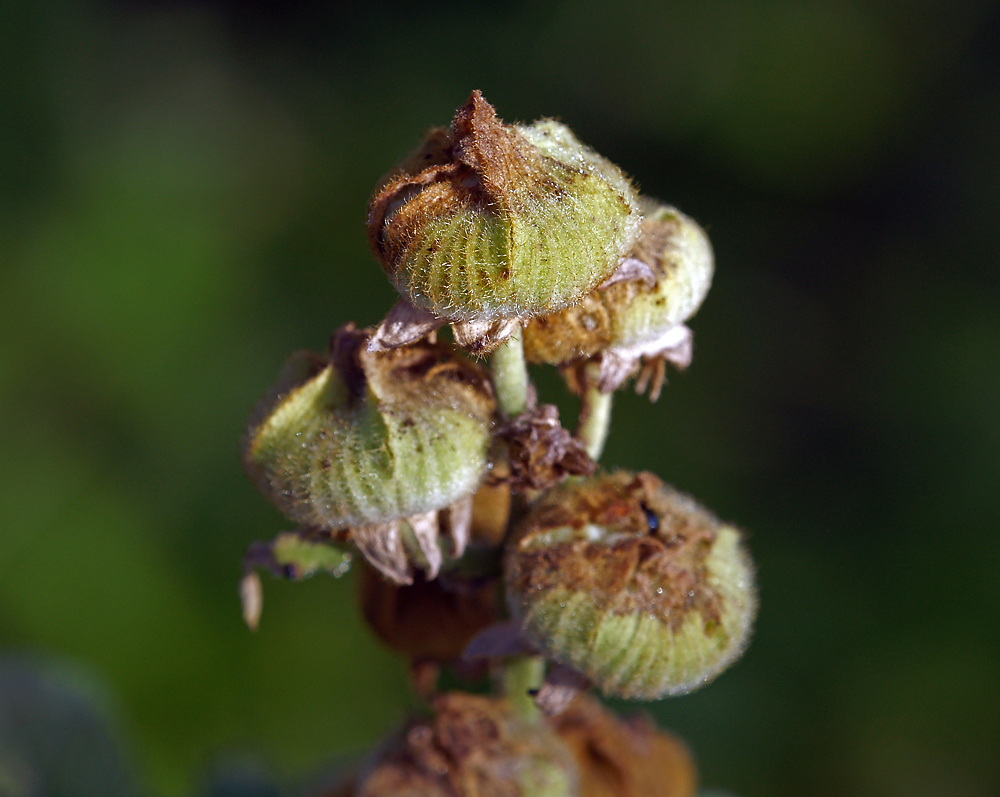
<point>489,221</point>
<point>632,584</point>
<point>364,441</point>
<point>639,313</point>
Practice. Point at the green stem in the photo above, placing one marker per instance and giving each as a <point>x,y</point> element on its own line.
<point>595,417</point>
<point>510,376</point>
<point>522,675</point>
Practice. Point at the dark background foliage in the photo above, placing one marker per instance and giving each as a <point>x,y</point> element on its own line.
<point>182,199</point>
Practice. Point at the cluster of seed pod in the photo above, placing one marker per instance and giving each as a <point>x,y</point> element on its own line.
<point>486,530</point>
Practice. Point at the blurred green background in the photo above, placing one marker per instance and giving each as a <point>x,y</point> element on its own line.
<point>182,200</point>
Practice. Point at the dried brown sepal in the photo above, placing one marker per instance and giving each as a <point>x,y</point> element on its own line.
<point>404,324</point>
<point>561,687</point>
<point>482,337</point>
<point>541,453</point>
<point>471,745</point>
<point>427,619</point>
<point>624,758</point>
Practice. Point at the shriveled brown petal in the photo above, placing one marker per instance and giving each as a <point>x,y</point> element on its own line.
<point>653,371</point>
<point>482,337</point>
<point>425,529</point>
<point>618,363</point>
<point>616,367</point>
<point>457,525</point>
<point>630,269</point>
<point>405,324</point>
<point>541,453</point>
<point>382,546</point>
<point>562,686</point>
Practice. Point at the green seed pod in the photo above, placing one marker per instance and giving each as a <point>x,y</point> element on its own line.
<point>489,221</point>
<point>640,312</point>
<point>363,440</point>
<point>631,584</point>
<point>680,257</point>
<point>470,745</point>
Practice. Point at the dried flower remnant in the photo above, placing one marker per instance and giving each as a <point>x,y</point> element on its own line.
<point>624,758</point>
<point>488,221</point>
<point>377,443</point>
<point>541,453</point>
<point>637,316</point>
<point>631,584</point>
<point>471,745</point>
<point>428,620</point>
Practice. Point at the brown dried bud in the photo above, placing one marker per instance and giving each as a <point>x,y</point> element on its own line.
<point>470,746</point>
<point>624,758</point>
<point>541,453</point>
<point>489,221</point>
<point>631,584</point>
<point>428,619</point>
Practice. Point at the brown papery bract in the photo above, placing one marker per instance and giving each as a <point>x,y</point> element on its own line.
<point>624,758</point>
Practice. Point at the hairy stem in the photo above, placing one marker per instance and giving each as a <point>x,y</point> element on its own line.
<point>595,416</point>
<point>510,376</point>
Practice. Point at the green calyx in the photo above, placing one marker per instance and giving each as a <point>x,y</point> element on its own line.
<point>371,438</point>
<point>489,221</point>
<point>680,257</point>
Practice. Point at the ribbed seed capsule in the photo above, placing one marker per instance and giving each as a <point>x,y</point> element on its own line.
<point>489,221</point>
<point>364,440</point>
<point>639,313</point>
<point>632,584</point>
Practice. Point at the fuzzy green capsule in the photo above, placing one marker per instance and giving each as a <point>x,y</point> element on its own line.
<point>639,313</point>
<point>491,221</point>
<point>365,440</point>
<point>632,584</point>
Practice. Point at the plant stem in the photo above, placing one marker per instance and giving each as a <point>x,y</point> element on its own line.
<point>522,675</point>
<point>510,376</point>
<point>595,417</point>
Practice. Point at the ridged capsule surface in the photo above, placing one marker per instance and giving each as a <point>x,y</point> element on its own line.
<point>489,221</point>
<point>632,584</point>
<point>631,312</point>
<point>358,438</point>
